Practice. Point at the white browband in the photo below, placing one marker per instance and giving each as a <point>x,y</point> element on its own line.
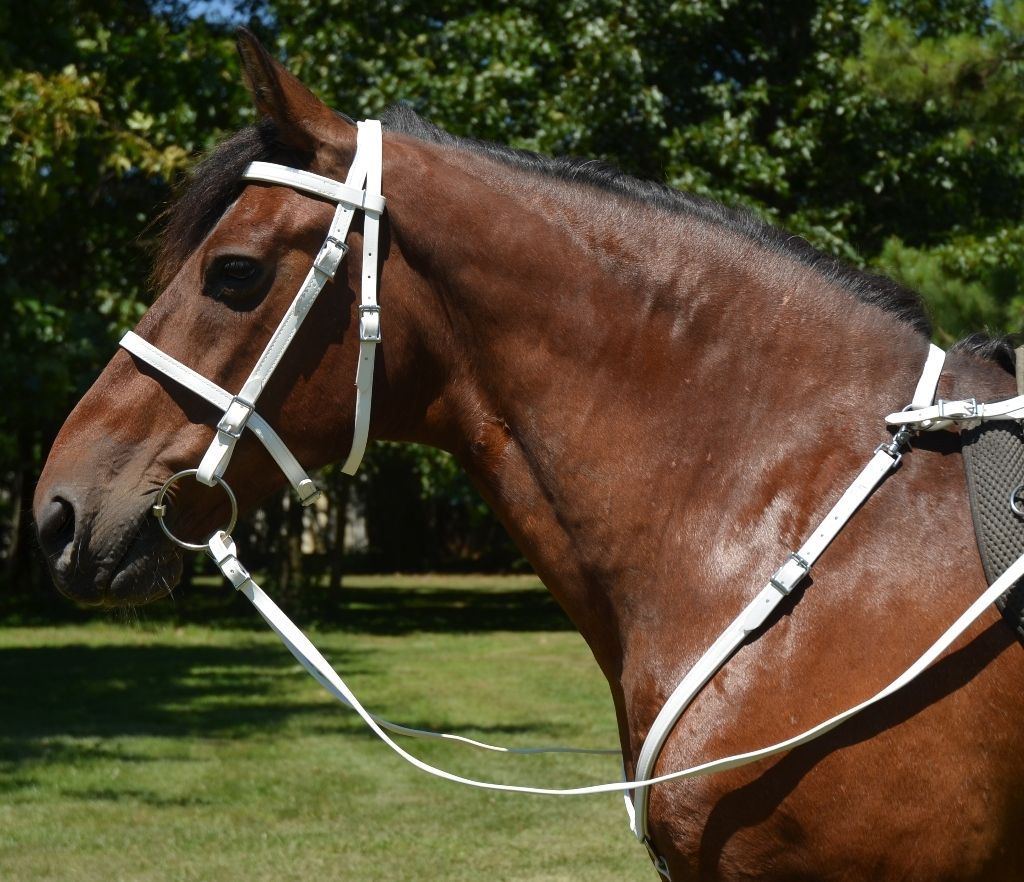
<point>362,191</point>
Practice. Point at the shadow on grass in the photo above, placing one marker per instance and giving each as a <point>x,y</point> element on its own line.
<point>80,692</point>
<point>69,704</point>
<point>392,608</point>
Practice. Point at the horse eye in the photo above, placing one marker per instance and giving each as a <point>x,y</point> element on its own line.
<point>231,277</point>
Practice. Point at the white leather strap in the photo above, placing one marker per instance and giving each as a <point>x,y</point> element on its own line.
<point>924,394</point>
<point>782,582</point>
<point>966,411</point>
<point>222,399</point>
<point>315,185</point>
<point>324,267</point>
<point>369,309</point>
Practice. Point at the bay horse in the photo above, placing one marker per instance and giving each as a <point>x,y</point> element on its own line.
<point>659,397</point>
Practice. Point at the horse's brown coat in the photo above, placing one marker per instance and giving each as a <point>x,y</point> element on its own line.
<point>658,409</point>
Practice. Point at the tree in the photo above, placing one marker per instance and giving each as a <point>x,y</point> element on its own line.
<point>885,132</point>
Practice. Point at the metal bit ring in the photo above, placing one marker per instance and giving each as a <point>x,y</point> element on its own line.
<point>160,510</point>
<point>1016,498</point>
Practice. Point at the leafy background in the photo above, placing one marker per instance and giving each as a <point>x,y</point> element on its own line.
<point>885,132</point>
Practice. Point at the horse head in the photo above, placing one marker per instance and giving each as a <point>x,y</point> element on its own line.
<point>233,255</point>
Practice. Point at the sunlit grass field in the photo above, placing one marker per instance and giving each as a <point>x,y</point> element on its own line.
<point>159,748</point>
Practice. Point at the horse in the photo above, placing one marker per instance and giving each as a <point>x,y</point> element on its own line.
<point>659,397</point>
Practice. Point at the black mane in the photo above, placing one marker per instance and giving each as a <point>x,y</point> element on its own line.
<point>215,184</point>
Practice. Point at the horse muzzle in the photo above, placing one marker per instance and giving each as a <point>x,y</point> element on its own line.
<point>115,556</point>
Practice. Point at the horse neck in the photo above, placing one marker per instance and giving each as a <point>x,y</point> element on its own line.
<point>646,400</point>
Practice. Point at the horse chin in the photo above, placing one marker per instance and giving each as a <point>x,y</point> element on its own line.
<point>147,572</point>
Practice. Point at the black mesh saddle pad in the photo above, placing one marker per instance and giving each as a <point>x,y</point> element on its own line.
<point>994,460</point>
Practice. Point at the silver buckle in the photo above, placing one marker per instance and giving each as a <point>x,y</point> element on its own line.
<point>366,335</point>
<point>967,410</point>
<point>331,254</point>
<point>227,427</point>
<point>776,581</point>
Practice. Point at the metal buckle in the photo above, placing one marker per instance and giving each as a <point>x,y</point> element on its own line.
<point>328,259</point>
<point>660,864</point>
<point>160,510</point>
<point>780,586</point>
<point>366,335</point>
<point>227,427</point>
<point>968,408</point>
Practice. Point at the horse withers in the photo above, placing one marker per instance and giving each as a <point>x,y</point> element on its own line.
<point>659,397</point>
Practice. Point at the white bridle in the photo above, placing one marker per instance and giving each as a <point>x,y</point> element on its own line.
<point>362,192</point>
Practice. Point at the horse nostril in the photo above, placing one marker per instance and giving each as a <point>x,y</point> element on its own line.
<point>56,524</point>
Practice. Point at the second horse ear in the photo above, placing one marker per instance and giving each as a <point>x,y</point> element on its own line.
<point>303,120</point>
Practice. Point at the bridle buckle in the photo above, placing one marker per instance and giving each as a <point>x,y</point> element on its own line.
<point>235,417</point>
<point>369,323</point>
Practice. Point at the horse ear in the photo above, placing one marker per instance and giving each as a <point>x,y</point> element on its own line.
<point>303,120</point>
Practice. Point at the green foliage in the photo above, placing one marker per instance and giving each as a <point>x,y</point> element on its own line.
<point>887,132</point>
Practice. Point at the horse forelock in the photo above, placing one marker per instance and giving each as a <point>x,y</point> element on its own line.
<point>212,186</point>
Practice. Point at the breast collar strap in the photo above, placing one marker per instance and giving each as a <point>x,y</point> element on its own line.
<point>360,192</point>
<point>782,582</point>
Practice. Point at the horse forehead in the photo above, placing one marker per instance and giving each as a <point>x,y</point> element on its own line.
<point>269,211</point>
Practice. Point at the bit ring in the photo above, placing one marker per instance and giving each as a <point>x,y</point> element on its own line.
<point>1016,498</point>
<point>160,509</point>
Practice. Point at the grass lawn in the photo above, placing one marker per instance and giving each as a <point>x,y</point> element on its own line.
<point>164,749</point>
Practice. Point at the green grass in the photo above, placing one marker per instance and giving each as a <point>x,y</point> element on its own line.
<point>163,750</point>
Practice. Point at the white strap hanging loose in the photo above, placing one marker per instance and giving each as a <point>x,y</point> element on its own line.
<point>223,551</point>
<point>369,309</point>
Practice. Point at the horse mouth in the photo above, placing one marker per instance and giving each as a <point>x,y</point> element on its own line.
<point>148,571</point>
<point>143,568</point>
